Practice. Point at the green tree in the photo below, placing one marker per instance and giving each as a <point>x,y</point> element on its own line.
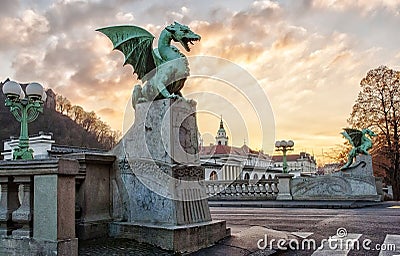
<point>378,107</point>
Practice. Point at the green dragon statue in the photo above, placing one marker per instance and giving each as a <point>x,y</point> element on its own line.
<point>164,70</point>
<point>360,142</point>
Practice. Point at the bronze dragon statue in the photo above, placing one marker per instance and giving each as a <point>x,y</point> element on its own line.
<point>163,71</point>
<point>360,142</point>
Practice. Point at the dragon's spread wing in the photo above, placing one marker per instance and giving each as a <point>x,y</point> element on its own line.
<point>136,44</point>
<point>353,135</point>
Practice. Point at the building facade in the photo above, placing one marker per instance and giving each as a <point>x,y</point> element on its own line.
<point>298,164</point>
<point>224,162</point>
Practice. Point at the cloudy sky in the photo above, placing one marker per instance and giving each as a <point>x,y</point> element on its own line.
<point>307,57</point>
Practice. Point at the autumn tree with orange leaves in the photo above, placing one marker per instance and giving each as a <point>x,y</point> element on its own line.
<point>378,108</point>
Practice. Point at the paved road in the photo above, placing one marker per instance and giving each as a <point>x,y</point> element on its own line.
<point>378,224</point>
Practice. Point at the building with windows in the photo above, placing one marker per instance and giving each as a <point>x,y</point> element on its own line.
<point>298,164</point>
<point>224,162</point>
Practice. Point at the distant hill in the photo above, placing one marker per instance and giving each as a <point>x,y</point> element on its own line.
<point>65,130</point>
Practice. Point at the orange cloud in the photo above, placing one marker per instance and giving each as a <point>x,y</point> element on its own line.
<point>308,57</point>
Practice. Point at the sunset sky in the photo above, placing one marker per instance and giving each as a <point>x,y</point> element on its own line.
<point>282,69</point>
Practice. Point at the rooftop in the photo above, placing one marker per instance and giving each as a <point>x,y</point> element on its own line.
<point>231,150</point>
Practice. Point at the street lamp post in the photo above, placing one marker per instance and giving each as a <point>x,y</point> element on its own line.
<point>284,146</point>
<point>25,108</point>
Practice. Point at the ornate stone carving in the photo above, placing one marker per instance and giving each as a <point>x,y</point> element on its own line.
<point>357,182</point>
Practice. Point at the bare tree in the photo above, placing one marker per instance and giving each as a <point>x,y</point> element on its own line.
<point>88,121</point>
<point>62,104</point>
<point>378,107</point>
<point>339,153</point>
<point>76,114</point>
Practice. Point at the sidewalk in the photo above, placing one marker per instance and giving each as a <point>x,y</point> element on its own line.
<point>295,204</point>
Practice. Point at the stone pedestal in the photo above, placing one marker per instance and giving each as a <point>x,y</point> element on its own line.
<point>164,200</point>
<point>354,183</point>
<point>40,145</point>
<point>284,185</point>
<point>177,238</point>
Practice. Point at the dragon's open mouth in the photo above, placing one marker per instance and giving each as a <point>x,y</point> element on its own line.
<point>185,42</point>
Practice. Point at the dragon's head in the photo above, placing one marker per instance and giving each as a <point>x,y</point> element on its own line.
<point>183,34</point>
<point>369,132</point>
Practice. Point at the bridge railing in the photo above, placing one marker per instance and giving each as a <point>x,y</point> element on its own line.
<point>263,189</point>
<point>37,207</point>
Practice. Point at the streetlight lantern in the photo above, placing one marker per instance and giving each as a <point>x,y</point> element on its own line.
<point>284,146</point>
<point>25,110</point>
<point>13,90</point>
<point>35,90</point>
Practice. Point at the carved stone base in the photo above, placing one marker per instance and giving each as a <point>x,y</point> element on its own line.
<point>182,238</point>
<point>355,183</point>
<point>163,194</point>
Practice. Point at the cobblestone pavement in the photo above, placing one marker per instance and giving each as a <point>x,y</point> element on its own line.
<point>110,247</point>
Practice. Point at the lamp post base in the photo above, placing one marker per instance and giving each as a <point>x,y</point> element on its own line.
<point>284,185</point>
<point>23,154</point>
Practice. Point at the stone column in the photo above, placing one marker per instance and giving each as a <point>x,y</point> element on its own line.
<point>9,202</point>
<point>284,185</point>
<point>23,215</point>
<point>54,204</point>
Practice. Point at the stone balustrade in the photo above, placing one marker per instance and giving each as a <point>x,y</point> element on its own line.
<point>9,204</point>
<point>37,207</point>
<point>16,217</point>
<point>263,189</point>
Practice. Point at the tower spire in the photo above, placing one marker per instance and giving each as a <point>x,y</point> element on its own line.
<point>221,138</point>
<point>221,124</point>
